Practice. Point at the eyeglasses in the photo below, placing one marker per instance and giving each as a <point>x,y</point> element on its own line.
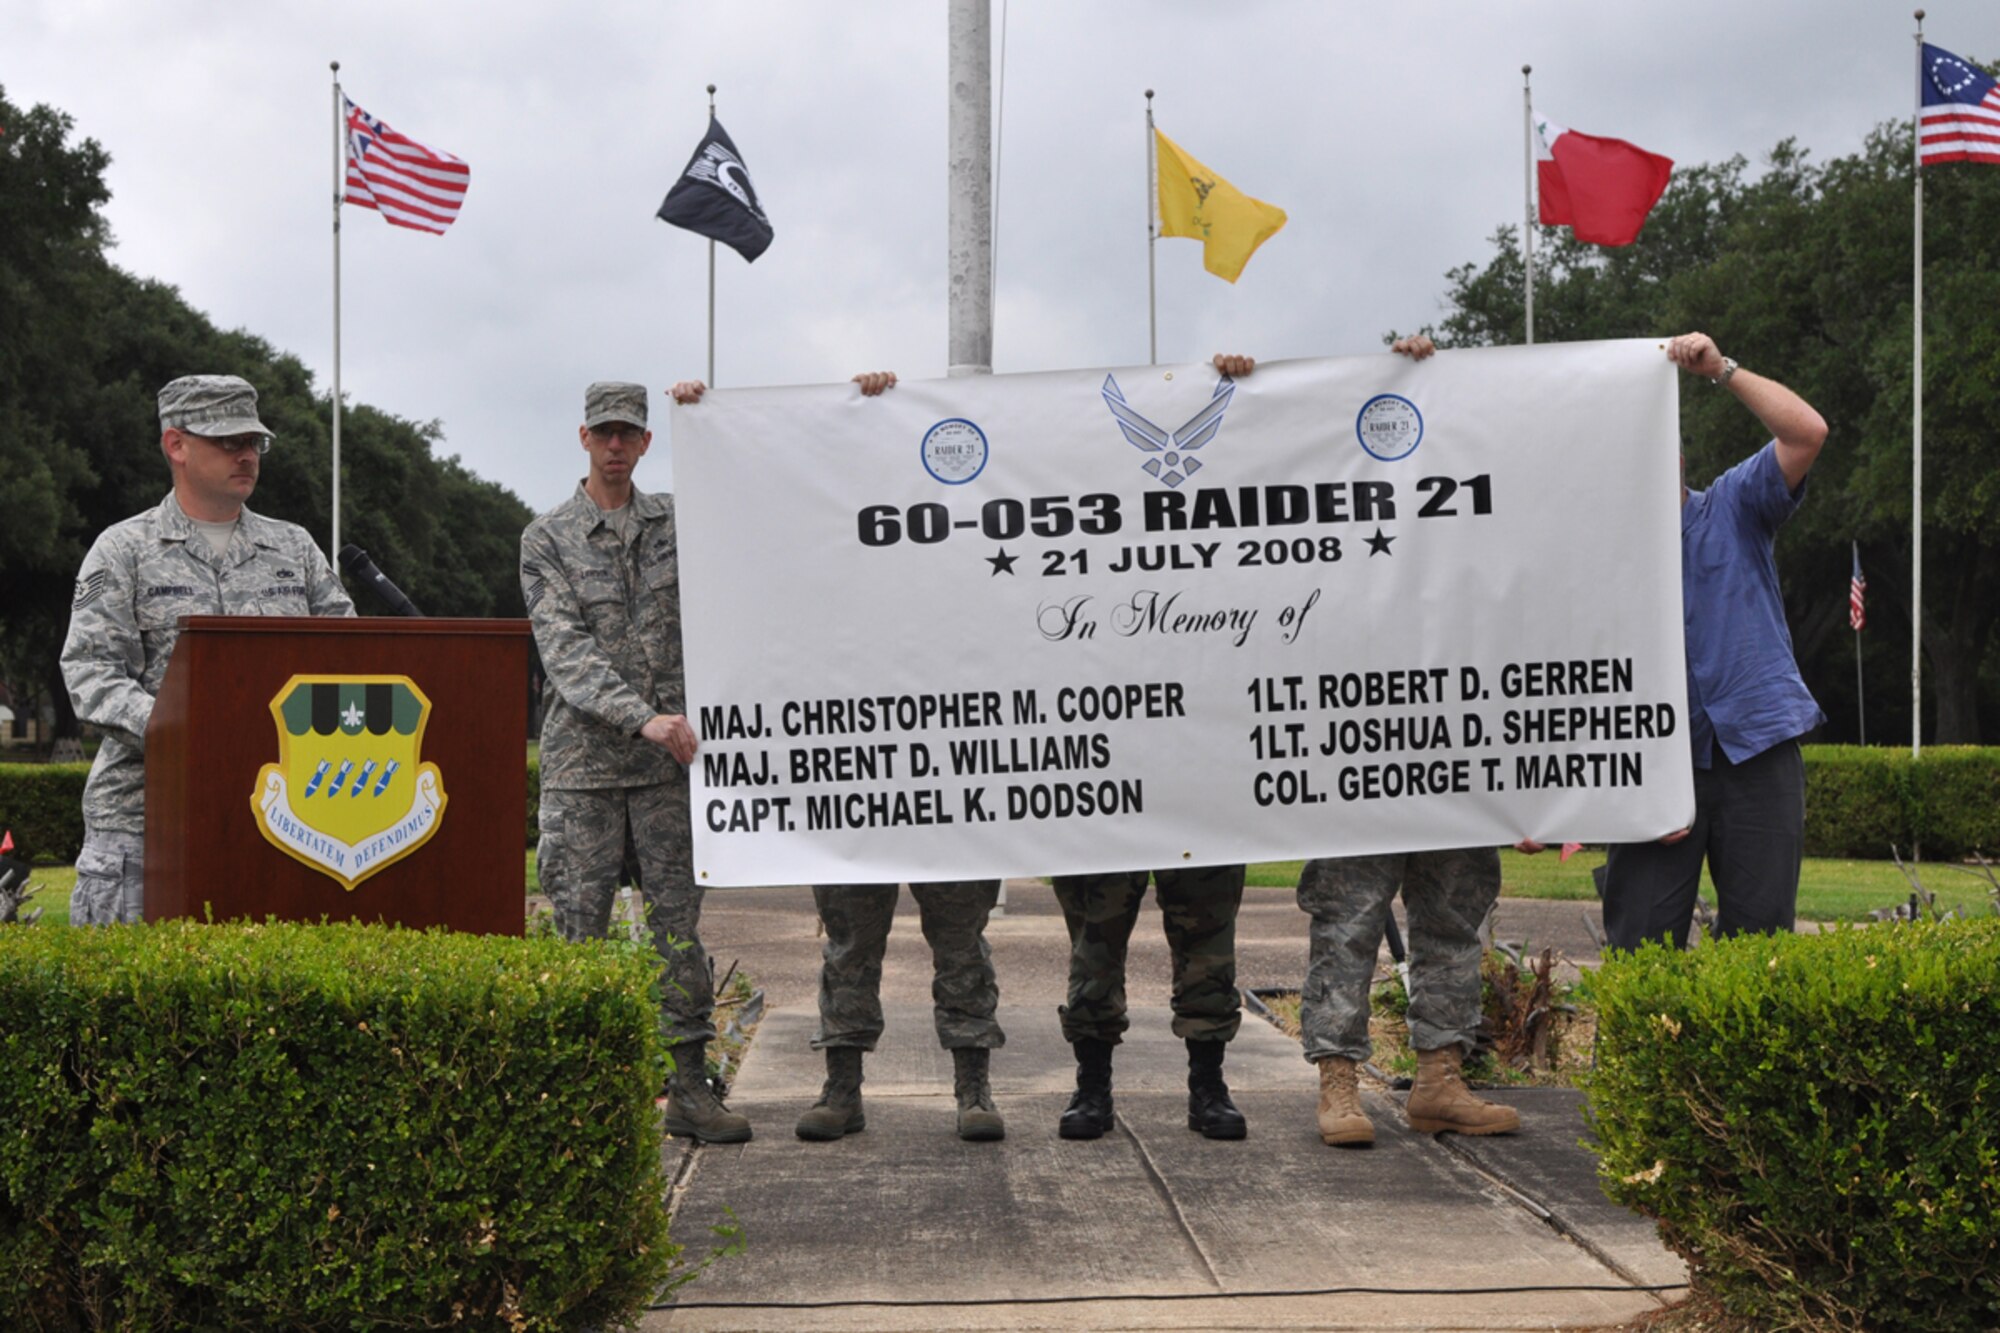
<point>236,444</point>
<point>629,434</point>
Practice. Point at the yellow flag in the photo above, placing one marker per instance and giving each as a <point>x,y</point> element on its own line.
<point>1196,202</point>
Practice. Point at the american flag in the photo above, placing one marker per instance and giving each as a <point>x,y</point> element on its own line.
<point>1857,594</point>
<point>408,184</point>
<point>1961,110</point>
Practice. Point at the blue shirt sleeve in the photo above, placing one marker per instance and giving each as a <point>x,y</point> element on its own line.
<point>1755,488</point>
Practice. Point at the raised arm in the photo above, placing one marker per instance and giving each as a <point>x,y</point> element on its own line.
<point>1797,429</point>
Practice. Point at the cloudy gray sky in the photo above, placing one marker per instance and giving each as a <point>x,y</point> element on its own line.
<point>1391,133</point>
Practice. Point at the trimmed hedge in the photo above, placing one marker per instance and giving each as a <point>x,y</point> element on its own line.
<point>1860,800</point>
<point>1814,1120</point>
<point>326,1127</point>
<point>43,805</point>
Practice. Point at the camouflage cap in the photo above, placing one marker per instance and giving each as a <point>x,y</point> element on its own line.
<point>614,400</point>
<point>211,405</point>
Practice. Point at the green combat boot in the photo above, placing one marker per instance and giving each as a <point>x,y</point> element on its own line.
<point>838,1110</point>
<point>693,1109</point>
<point>978,1121</point>
<point>1441,1103</point>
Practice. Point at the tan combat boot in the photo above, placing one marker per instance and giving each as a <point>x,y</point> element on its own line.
<point>1341,1119</point>
<point>838,1111</point>
<point>693,1109</point>
<point>1441,1103</point>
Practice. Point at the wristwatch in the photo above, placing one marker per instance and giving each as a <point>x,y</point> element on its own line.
<point>1728,369</point>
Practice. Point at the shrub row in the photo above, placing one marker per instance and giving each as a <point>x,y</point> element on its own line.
<point>329,1127</point>
<point>1862,799</point>
<point>1814,1121</point>
<point>1859,801</point>
<point>43,805</point>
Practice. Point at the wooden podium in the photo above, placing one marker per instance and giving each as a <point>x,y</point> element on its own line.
<point>418,724</point>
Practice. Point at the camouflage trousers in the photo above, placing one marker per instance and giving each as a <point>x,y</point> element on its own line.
<point>110,879</point>
<point>1198,907</point>
<point>963,989</point>
<point>579,858</point>
<point>1445,897</point>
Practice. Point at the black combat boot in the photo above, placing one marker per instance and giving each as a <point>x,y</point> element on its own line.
<point>1089,1113</point>
<point>1209,1108</point>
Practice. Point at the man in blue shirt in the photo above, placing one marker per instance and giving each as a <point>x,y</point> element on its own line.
<point>1747,706</point>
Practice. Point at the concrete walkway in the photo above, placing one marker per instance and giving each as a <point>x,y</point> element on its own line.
<point>905,1227</point>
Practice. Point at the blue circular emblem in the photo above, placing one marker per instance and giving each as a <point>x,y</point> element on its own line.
<point>954,451</point>
<point>1389,427</point>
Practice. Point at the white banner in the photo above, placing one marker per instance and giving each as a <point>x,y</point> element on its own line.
<point>1033,624</point>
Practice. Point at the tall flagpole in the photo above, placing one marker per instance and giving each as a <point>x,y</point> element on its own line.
<point>1152,234</point>
<point>339,181</point>
<point>1917,420</point>
<point>969,212</point>
<point>711,272</point>
<point>1528,193</point>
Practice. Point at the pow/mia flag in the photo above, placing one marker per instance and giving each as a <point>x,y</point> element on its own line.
<point>714,197</point>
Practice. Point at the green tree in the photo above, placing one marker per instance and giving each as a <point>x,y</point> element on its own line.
<point>1804,272</point>
<point>84,348</point>
<point>50,230</point>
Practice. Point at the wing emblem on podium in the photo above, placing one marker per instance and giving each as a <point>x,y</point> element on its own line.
<point>350,792</point>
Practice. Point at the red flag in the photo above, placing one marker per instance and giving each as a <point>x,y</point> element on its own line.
<point>7,842</point>
<point>1602,188</point>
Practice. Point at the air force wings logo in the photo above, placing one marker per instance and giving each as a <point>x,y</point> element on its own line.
<point>1170,453</point>
<point>349,794</point>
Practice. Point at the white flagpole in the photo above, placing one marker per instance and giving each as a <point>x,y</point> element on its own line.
<point>1917,421</point>
<point>711,272</point>
<point>1152,234</point>
<point>1528,193</point>
<point>969,211</point>
<point>339,182</point>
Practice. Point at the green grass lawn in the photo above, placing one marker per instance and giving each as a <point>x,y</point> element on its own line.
<point>1829,890</point>
<point>50,888</point>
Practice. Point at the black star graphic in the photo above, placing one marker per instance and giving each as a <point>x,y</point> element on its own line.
<point>1379,545</point>
<point>1002,563</point>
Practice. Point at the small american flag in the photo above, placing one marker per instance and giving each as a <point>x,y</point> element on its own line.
<point>408,184</point>
<point>1961,110</point>
<point>1857,594</point>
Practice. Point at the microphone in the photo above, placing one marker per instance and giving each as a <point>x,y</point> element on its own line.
<point>356,562</point>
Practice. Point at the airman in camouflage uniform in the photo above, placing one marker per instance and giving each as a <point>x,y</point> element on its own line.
<point>601,577</point>
<point>964,990</point>
<point>1446,896</point>
<point>1198,907</point>
<point>200,552</point>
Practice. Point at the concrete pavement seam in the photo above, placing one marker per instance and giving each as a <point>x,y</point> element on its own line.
<point>1554,1222</point>
<point>1166,1193</point>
